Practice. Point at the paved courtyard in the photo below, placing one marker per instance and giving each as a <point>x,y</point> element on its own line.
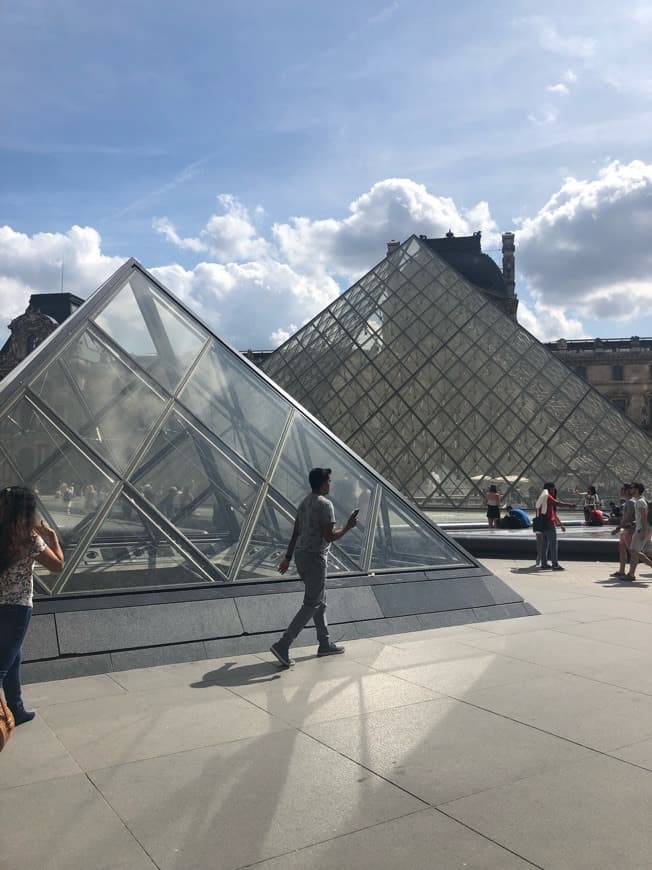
<point>507,745</point>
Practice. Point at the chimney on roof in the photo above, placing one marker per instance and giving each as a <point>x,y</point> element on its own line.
<point>508,263</point>
<point>392,246</point>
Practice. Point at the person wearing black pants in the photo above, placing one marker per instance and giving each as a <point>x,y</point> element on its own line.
<point>22,542</point>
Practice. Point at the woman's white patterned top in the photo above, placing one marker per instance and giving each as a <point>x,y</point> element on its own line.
<point>16,585</point>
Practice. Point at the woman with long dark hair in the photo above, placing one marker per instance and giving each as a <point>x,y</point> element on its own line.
<point>22,542</point>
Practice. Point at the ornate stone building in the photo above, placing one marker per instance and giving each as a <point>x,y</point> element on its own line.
<point>620,368</point>
<point>464,253</point>
<point>44,313</point>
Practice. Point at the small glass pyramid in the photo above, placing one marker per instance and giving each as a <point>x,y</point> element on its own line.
<point>164,458</point>
<point>444,394</point>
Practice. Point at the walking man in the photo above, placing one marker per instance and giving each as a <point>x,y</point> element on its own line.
<point>626,526</point>
<point>641,544</point>
<point>314,531</point>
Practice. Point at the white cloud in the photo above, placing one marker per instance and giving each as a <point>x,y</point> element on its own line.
<point>251,305</point>
<point>32,264</point>
<point>165,228</point>
<point>548,323</point>
<point>589,246</point>
<point>585,253</point>
<point>392,209</point>
<point>560,88</point>
<point>385,13</point>
<point>228,236</point>
<point>569,76</point>
<point>552,40</point>
<point>546,115</point>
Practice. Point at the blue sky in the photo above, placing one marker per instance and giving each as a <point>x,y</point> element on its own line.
<point>258,156</point>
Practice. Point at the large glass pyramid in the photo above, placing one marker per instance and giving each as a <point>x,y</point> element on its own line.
<point>163,457</point>
<point>426,379</point>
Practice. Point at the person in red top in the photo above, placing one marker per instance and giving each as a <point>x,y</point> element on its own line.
<point>547,505</point>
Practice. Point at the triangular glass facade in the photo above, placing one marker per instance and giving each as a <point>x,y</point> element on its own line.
<point>444,394</point>
<point>164,458</point>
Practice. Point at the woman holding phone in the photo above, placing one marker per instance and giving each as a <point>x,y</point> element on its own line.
<point>22,542</point>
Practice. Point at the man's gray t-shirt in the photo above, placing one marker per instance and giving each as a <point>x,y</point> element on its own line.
<point>311,513</point>
<point>629,513</point>
<point>641,513</point>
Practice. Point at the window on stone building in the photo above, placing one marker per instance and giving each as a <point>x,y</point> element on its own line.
<point>620,403</point>
<point>32,341</point>
<point>617,373</point>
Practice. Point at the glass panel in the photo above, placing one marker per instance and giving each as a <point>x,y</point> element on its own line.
<point>509,426</point>
<point>131,551</point>
<point>575,388</point>
<point>98,396</point>
<point>308,447</point>
<point>421,281</point>
<point>70,485</point>
<point>268,544</point>
<point>236,406</point>
<point>202,492</point>
<point>404,539</point>
<point>522,342</point>
<point>153,331</point>
<point>8,477</point>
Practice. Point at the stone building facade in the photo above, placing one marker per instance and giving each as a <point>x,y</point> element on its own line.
<point>43,314</point>
<point>619,368</point>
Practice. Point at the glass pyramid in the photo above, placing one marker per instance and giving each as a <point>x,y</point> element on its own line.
<point>428,381</point>
<point>164,458</point>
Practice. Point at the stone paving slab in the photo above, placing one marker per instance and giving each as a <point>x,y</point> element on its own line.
<point>35,754</point>
<point>593,714</point>
<point>228,806</point>
<point>65,823</point>
<point>505,744</point>
<point>590,816</point>
<point>424,839</point>
<point>300,702</point>
<point>108,731</point>
<point>444,749</point>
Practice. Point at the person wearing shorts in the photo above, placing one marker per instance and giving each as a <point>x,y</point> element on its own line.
<point>492,499</point>
<point>626,527</point>
<point>641,543</point>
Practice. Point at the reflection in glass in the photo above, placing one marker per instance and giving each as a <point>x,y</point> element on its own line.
<point>269,542</point>
<point>97,395</point>
<point>236,406</point>
<point>70,486</point>
<point>204,494</point>
<point>308,447</point>
<point>155,334</point>
<point>403,537</point>
<point>130,551</point>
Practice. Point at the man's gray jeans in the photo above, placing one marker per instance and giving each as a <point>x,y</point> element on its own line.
<point>312,571</point>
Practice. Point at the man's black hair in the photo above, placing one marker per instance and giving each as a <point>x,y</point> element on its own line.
<point>317,476</point>
<point>639,487</point>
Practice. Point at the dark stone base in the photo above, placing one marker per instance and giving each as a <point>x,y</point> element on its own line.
<point>521,545</point>
<point>78,636</point>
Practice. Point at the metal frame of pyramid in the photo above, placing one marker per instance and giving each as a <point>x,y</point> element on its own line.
<point>134,394</point>
<point>431,383</point>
